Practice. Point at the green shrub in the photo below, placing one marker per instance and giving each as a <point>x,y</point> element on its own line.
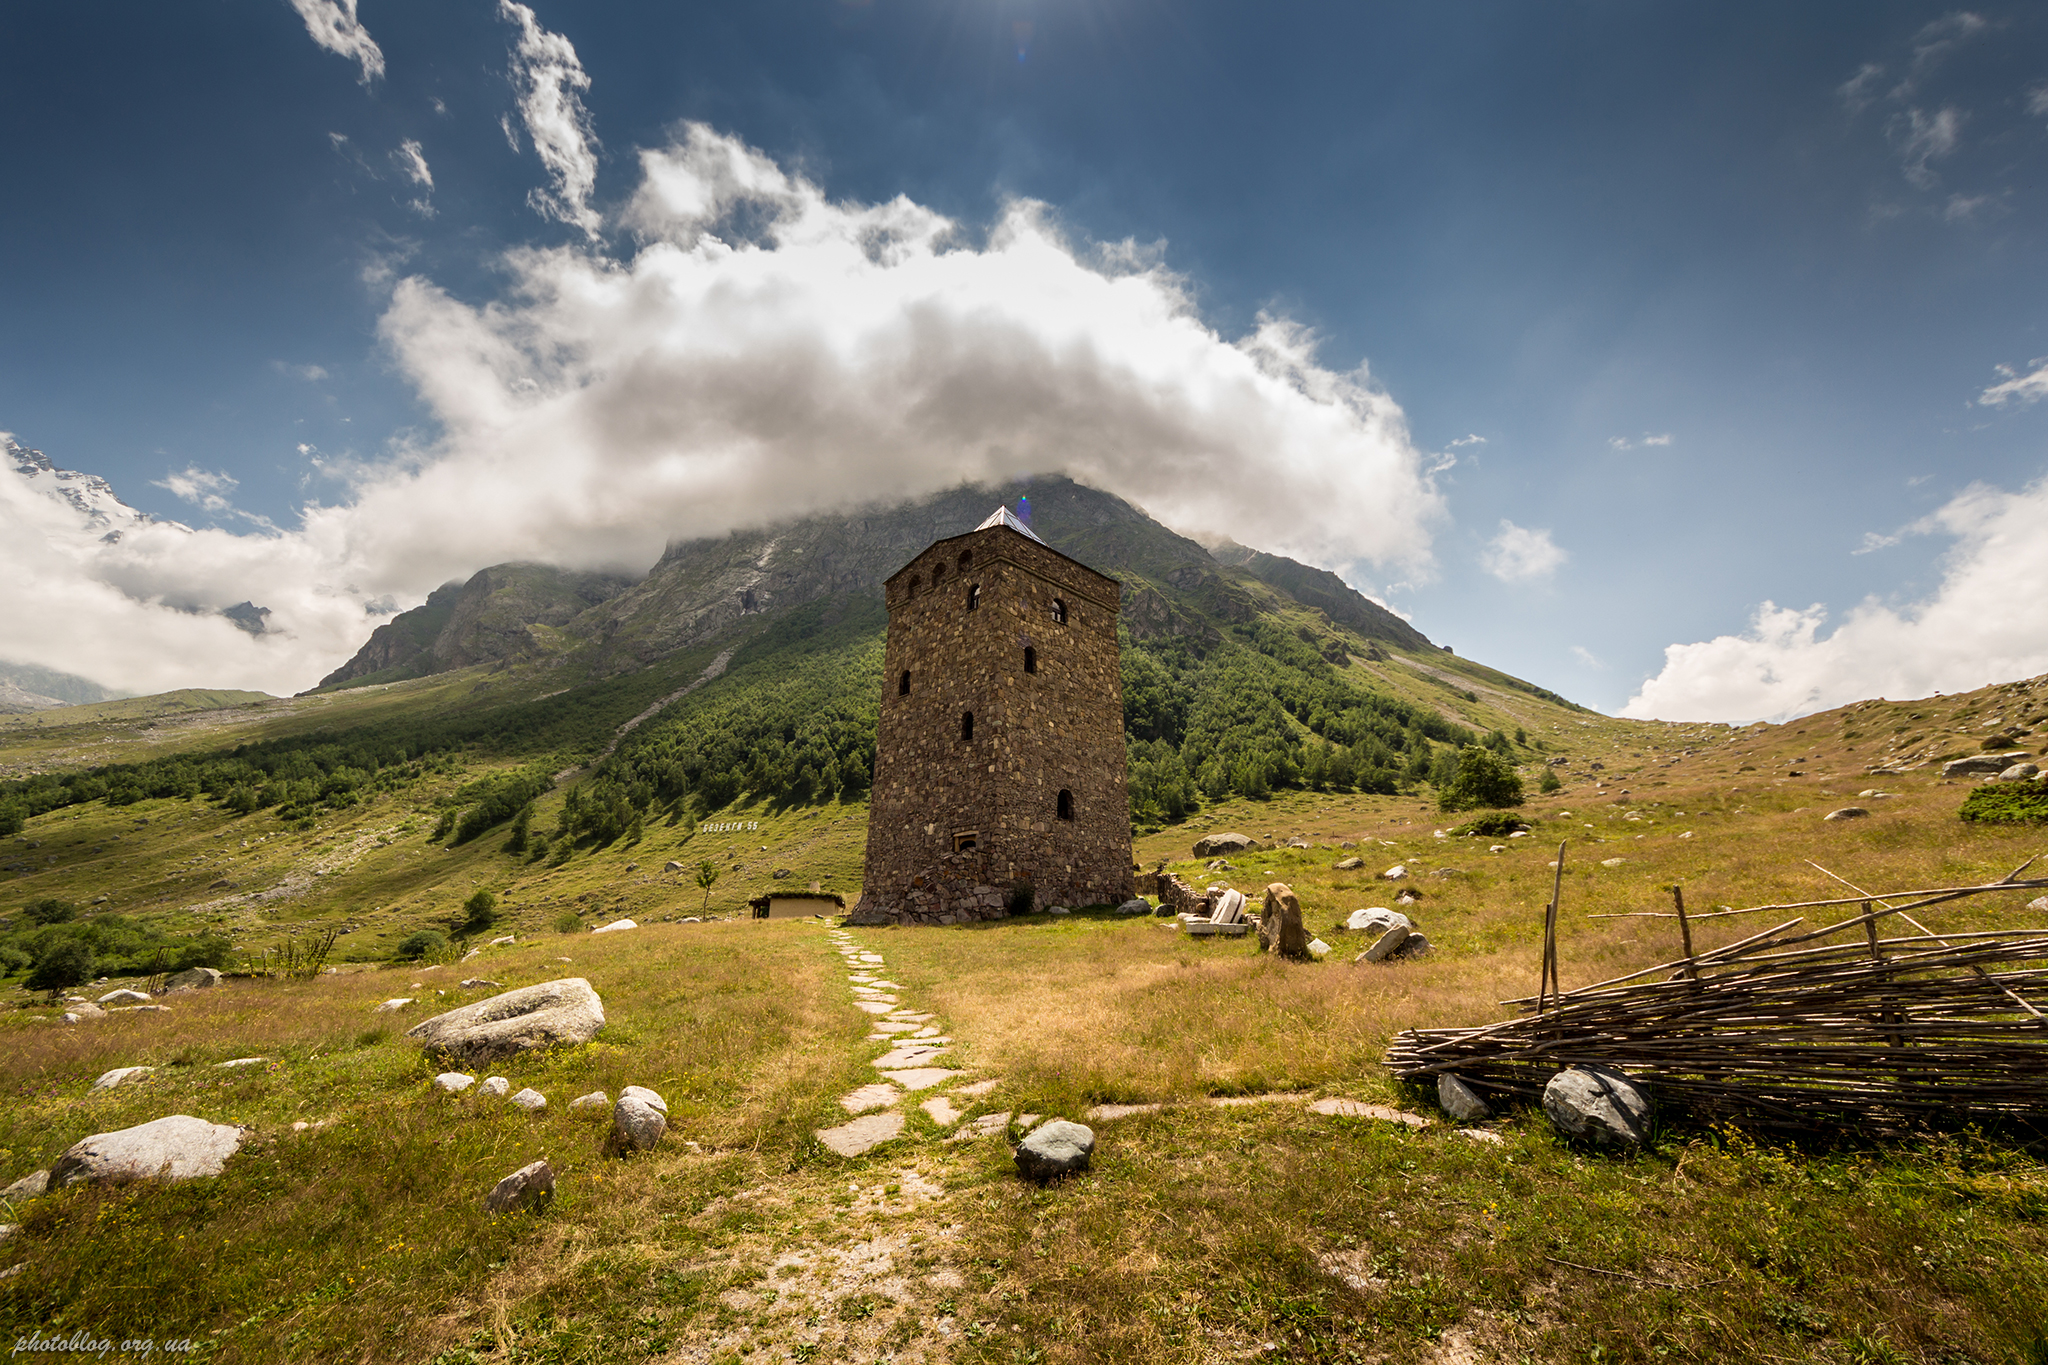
<point>479,913</point>
<point>241,800</point>
<point>1494,825</point>
<point>49,910</point>
<point>1484,779</point>
<point>65,962</point>
<point>423,943</point>
<point>568,922</point>
<point>2008,803</point>
<point>13,960</point>
<point>1550,782</point>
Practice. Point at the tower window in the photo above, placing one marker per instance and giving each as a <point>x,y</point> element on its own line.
<point>1030,659</point>
<point>916,586</point>
<point>967,725</point>
<point>938,572</point>
<point>1059,609</point>
<point>974,597</point>
<point>966,558</point>
<point>1066,805</point>
<point>965,841</point>
<point>903,684</point>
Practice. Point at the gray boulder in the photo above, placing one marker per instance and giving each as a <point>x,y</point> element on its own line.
<point>1415,945</point>
<point>1846,813</point>
<point>28,1187</point>
<point>554,1013</point>
<point>495,1085</point>
<point>121,1075</point>
<point>636,1125</point>
<point>1376,920</point>
<point>1136,905</point>
<point>2020,772</point>
<point>1351,864</point>
<point>454,1082</point>
<point>530,1099</point>
<point>1055,1149</point>
<point>1597,1104</point>
<point>191,979</point>
<point>123,997</point>
<point>591,1105</point>
<point>1216,845</point>
<point>641,1092</point>
<point>176,1148</point>
<point>1386,945</point>
<point>531,1187</point>
<point>1460,1100</point>
<point>1982,765</point>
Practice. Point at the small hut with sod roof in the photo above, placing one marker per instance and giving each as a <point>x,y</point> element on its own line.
<point>999,752</point>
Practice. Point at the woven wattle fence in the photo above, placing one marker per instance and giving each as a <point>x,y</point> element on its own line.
<point>1805,1028</point>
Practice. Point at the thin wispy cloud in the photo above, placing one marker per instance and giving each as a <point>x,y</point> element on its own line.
<point>1860,90</point>
<point>412,164</point>
<point>2016,387</point>
<point>1469,441</point>
<point>547,75</point>
<point>334,26</point>
<point>312,374</point>
<point>1923,138</point>
<point>1586,657</point>
<point>1518,554</point>
<point>1659,438</point>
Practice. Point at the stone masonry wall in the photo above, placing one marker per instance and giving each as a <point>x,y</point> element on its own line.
<point>1035,734</point>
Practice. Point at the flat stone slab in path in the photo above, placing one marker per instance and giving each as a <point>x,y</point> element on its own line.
<point>922,1078</point>
<point>877,1096</point>
<point>906,1055</point>
<point>1233,1101</point>
<point>977,1089</point>
<point>863,1134</point>
<point>942,1111</point>
<point>1103,1112</point>
<point>985,1126</point>
<point>874,1006</point>
<point>1358,1109</point>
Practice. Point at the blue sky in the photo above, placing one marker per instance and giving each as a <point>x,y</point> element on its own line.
<point>1721,290</point>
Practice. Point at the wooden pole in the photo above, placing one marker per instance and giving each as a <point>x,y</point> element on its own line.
<point>1692,968</point>
<point>1549,974</point>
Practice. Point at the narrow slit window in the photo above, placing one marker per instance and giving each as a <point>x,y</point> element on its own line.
<point>903,684</point>
<point>1065,807</point>
<point>966,725</point>
<point>974,597</point>
<point>965,841</point>
<point>1030,659</point>
<point>1059,609</point>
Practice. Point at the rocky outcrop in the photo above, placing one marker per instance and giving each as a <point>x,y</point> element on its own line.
<point>554,1013</point>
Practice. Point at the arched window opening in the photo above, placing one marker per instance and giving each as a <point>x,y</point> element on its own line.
<point>966,725</point>
<point>966,558</point>
<point>1030,659</point>
<point>916,585</point>
<point>966,840</point>
<point>974,597</point>
<point>1059,609</point>
<point>1066,805</point>
<point>903,684</point>
<point>938,572</point>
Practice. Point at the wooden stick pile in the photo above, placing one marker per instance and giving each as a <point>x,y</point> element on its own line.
<point>1789,1028</point>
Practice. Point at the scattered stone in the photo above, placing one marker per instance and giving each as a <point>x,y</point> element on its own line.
<point>615,926</point>
<point>531,1187</point>
<point>495,1085</point>
<point>139,1009</point>
<point>2019,772</point>
<point>636,1126</point>
<point>191,979</point>
<point>645,1096</point>
<point>1359,1109</point>
<point>1351,864</point>
<point>1612,862</point>
<point>1055,1149</point>
<point>1982,765</point>
<point>29,1186</point>
<point>672,866</point>
<point>477,983</point>
<point>1216,845</point>
<point>942,1111</point>
<point>1137,905</point>
<point>393,1006</point>
<point>531,1100</point>
<point>1376,920</point>
<point>243,1061</point>
<point>121,1075</point>
<point>1416,946</point>
<point>123,997</point>
<point>1597,1104</point>
<point>876,1006</point>
<point>1497,848</point>
<point>1408,896</point>
<point>1846,813</point>
<point>1318,949</point>
<point>1280,929</point>
<point>82,1011</point>
<point>179,1147</point>
<point>1486,1135</point>
<point>1386,945</point>
<point>1347,843</point>
<point>1460,1100</point>
<point>863,1134</point>
<point>454,1082</point>
<point>1394,873</point>
<point>2040,904</point>
<point>1447,872</point>
<point>550,1014</point>
<point>596,1102</point>
<point>513,938</point>
<point>1057,910</point>
<point>473,952</point>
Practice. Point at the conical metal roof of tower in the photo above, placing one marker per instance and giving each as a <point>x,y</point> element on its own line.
<point>1003,516</point>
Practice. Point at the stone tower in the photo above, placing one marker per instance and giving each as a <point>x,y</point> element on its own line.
<point>999,754</point>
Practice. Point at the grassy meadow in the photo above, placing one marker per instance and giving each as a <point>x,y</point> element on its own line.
<point>1206,1231</point>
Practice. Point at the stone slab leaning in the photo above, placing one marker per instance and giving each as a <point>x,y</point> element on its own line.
<point>550,1014</point>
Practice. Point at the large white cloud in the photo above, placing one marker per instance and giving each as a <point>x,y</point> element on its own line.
<point>1987,622</point>
<point>761,352</point>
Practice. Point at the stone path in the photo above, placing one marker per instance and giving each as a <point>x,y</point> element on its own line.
<point>914,1062</point>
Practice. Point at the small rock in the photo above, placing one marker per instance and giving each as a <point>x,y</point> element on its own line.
<point>641,1092</point>
<point>191,979</point>
<point>1612,862</point>
<point>473,952</point>
<point>477,983</point>
<point>179,1147</point>
<point>1350,864</point>
<point>1460,1100</point>
<point>595,1102</point>
<point>28,1187</point>
<point>531,1100</point>
<point>530,1187</point>
<point>2019,772</point>
<point>1376,920</point>
<point>1497,848</point>
<point>1394,873</point>
<point>1416,946</point>
<point>615,926</point>
<point>2039,905</point>
<point>243,1061</point>
<point>672,866</point>
<point>1055,1149</point>
<point>1137,905</point>
<point>123,997</point>
<point>511,938</point>
<point>454,1082</point>
<point>1846,813</point>
<point>1347,843</point>
<point>393,1006</point>
<point>83,1011</point>
<point>495,1085</point>
<point>1597,1104</point>
<point>1407,897</point>
<point>1057,910</point>
<point>1318,949</point>
<point>1385,946</point>
<point>121,1075</point>
<point>636,1126</point>
<point>1216,845</point>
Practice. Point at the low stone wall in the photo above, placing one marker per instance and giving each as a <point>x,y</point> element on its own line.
<point>1182,899</point>
<point>955,890</point>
